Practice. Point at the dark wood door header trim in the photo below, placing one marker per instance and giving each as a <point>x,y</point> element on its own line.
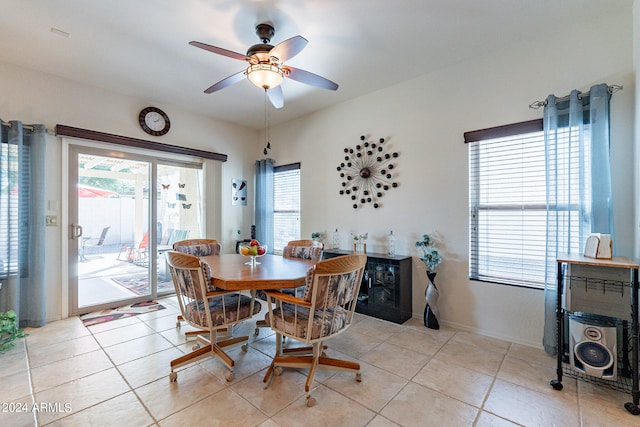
<point>92,135</point>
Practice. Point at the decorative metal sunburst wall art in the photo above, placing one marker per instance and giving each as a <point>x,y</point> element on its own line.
<point>367,173</point>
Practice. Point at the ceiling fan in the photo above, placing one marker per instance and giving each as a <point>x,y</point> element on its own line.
<point>266,69</point>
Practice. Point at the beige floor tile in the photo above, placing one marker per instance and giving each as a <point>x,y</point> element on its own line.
<point>411,375</point>
<point>164,398</point>
<point>81,394</point>
<point>113,324</point>
<point>14,387</point>
<point>331,409</point>
<point>225,408</point>
<point>55,332</point>
<point>137,348</point>
<point>487,343</point>
<point>17,412</point>
<point>149,368</point>
<point>445,332</point>
<point>380,421</point>
<point>377,328</point>
<point>419,406</point>
<point>489,420</point>
<point>246,363</point>
<point>375,390</point>
<point>43,355</point>
<point>352,343</point>
<point>531,354</point>
<point>601,406</point>
<point>399,360</point>
<point>123,410</point>
<point>177,336</point>
<point>471,357</point>
<point>281,391</point>
<point>534,376</point>
<point>14,360</point>
<point>126,333</point>
<point>422,342</point>
<point>163,323</point>
<point>65,370</point>
<point>269,423</point>
<point>527,407</point>
<point>455,381</point>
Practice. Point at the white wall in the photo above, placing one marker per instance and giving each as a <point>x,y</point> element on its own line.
<point>636,136</point>
<point>424,120</point>
<point>34,97</point>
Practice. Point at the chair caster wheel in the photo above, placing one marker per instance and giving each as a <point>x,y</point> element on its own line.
<point>310,402</point>
<point>557,385</point>
<point>359,377</point>
<point>244,347</point>
<point>195,347</point>
<point>277,371</point>
<point>632,408</point>
<point>256,332</point>
<point>173,377</point>
<point>229,376</point>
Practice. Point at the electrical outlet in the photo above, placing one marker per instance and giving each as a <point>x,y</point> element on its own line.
<point>52,221</point>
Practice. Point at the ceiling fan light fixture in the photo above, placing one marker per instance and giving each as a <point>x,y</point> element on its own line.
<point>265,76</point>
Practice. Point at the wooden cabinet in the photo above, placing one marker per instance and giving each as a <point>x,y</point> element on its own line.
<point>385,291</point>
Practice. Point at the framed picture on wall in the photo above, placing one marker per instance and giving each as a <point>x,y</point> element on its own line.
<point>238,192</point>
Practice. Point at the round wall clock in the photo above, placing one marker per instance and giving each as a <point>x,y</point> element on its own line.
<point>367,173</point>
<point>154,121</point>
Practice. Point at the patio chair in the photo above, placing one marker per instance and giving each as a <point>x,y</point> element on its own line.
<point>138,253</point>
<point>98,244</point>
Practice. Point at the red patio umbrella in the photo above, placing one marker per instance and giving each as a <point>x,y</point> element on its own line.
<point>87,191</point>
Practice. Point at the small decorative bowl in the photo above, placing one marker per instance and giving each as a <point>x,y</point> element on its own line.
<point>253,252</point>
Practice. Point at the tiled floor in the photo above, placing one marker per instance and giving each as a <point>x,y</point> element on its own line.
<point>116,373</point>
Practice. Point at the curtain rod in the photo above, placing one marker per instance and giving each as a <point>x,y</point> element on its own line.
<point>538,104</point>
<point>29,127</point>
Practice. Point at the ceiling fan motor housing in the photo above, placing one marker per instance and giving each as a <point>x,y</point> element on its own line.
<point>265,31</point>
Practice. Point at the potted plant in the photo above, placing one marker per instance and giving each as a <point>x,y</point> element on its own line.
<point>9,330</point>
<point>316,236</point>
<point>429,255</point>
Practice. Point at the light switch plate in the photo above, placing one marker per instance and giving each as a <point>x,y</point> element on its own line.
<point>52,220</point>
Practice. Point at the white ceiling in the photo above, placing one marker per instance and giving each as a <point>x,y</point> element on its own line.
<point>140,47</point>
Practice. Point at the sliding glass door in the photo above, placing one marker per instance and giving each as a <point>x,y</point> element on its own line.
<point>118,233</point>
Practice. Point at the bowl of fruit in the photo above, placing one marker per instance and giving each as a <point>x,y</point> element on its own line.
<point>254,250</point>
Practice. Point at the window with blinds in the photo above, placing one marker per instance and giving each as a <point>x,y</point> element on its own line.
<point>507,204</point>
<point>286,206</point>
<point>14,200</point>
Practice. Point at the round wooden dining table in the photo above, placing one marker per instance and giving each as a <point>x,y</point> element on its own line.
<point>234,272</point>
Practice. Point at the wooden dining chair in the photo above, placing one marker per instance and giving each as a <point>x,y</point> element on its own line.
<point>207,310</point>
<point>325,310</point>
<point>301,249</point>
<point>197,247</point>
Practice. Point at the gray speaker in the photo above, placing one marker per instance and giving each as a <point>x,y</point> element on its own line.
<point>593,346</point>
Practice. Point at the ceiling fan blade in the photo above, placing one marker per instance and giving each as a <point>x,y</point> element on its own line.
<point>232,79</point>
<point>308,78</point>
<point>288,48</point>
<point>220,51</point>
<point>276,97</point>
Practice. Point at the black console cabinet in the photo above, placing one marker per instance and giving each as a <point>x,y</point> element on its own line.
<point>385,291</point>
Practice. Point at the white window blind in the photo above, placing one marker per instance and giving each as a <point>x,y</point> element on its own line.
<point>508,201</point>
<point>14,198</point>
<point>286,215</point>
